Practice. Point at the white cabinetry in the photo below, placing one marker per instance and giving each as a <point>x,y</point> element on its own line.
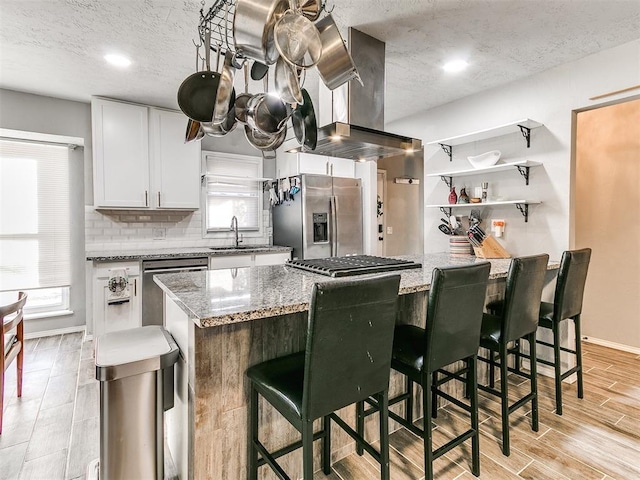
<point>217,262</point>
<point>110,313</point>
<point>140,158</point>
<point>290,164</point>
<point>120,154</point>
<point>175,165</point>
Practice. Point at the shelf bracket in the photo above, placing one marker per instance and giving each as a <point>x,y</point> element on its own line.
<point>446,211</point>
<point>448,149</point>
<point>447,179</point>
<point>524,210</point>
<point>524,171</point>
<point>526,133</point>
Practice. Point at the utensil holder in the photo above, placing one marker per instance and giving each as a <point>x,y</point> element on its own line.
<point>459,245</point>
<point>491,248</point>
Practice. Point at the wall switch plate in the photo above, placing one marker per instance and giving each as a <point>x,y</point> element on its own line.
<point>159,233</point>
<point>389,230</point>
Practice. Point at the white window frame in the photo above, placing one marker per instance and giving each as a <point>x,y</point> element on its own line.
<point>62,308</point>
<point>223,234</point>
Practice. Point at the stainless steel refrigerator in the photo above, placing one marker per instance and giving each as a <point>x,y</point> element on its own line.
<point>323,220</point>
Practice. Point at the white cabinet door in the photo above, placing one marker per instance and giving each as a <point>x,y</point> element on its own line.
<point>120,153</point>
<point>116,315</point>
<point>175,165</point>
<point>230,261</point>
<point>317,164</point>
<point>272,258</point>
<point>342,167</point>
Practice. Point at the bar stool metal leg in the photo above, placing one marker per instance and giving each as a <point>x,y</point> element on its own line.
<point>556,366</point>
<point>534,380</point>
<point>434,396</point>
<point>472,389</point>
<point>426,401</point>
<point>253,435</point>
<point>504,398</point>
<point>383,401</point>
<point>307,449</point>
<point>576,321</point>
<point>326,445</point>
<point>409,404</point>
<point>360,426</point>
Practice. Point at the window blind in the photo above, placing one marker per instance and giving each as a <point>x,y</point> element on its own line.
<point>34,215</point>
<point>232,190</point>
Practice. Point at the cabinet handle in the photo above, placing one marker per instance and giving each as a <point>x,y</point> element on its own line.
<point>326,169</point>
<point>332,169</point>
<point>135,287</point>
<point>146,198</point>
<point>158,199</point>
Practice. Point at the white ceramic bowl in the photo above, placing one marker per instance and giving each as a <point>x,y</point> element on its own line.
<point>485,160</point>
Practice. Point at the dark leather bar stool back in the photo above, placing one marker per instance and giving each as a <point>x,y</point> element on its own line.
<point>567,304</point>
<point>517,319</point>
<point>347,358</point>
<point>454,316</point>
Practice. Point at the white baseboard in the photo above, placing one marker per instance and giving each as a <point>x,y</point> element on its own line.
<point>56,331</point>
<point>616,346</point>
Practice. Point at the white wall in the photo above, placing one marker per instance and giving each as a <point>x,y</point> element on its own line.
<point>35,113</point>
<point>549,97</point>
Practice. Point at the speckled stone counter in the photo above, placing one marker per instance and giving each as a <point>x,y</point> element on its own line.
<point>214,298</point>
<point>155,253</point>
<point>228,320</point>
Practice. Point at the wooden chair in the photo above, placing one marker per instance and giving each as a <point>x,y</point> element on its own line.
<point>12,343</point>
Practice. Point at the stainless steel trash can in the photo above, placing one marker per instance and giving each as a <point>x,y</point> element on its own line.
<point>135,370</point>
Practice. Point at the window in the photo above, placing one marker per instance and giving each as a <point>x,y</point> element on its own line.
<point>35,224</point>
<point>233,187</point>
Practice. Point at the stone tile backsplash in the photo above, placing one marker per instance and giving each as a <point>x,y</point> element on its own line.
<point>132,229</point>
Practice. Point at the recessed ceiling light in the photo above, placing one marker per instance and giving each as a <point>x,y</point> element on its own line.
<point>117,60</point>
<point>455,66</point>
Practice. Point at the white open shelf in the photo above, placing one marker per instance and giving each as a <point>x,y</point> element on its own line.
<point>505,129</point>
<point>484,204</point>
<point>494,168</point>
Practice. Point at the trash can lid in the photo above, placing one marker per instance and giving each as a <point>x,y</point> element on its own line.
<point>130,352</point>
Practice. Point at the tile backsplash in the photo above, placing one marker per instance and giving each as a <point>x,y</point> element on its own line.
<point>127,229</point>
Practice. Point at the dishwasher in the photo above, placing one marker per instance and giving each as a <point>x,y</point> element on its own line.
<point>152,305</point>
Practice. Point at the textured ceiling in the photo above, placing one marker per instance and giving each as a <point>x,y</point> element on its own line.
<point>56,47</point>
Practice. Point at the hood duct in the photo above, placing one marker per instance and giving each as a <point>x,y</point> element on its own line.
<point>353,114</point>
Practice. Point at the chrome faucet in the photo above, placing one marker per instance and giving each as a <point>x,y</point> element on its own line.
<point>234,229</point>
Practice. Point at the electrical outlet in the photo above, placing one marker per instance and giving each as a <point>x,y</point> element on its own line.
<point>389,230</point>
<point>159,233</point>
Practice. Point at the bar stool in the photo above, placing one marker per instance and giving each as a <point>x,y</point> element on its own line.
<point>347,358</point>
<point>518,319</point>
<point>12,345</point>
<point>454,316</point>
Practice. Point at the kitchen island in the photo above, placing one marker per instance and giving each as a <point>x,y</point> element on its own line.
<point>227,320</point>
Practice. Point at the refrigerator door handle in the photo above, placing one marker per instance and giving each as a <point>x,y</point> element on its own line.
<point>333,200</point>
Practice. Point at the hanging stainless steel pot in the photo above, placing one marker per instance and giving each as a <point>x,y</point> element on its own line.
<point>263,141</point>
<point>309,8</point>
<point>336,66</point>
<point>242,99</point>
<point>225,89</point>
<point>253,28</point>
<point>297,40</point>
<point>287,82</point>
<point>266,113</point>
<point>304,122</point>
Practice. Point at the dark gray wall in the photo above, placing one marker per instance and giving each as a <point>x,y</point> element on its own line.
<point>35,113</point>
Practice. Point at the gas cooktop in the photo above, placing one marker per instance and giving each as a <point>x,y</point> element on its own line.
<point>352,265</point>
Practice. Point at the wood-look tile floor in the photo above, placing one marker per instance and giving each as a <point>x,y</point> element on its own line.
<point>52,431</point>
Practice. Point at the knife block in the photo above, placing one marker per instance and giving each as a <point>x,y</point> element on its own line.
<point>491,249</point>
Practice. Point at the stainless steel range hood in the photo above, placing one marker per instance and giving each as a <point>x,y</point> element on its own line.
<point>353,115</point>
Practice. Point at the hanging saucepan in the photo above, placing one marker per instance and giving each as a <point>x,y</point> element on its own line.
<point>297,40</point>
<point>253,28</point>
<point>287,82</point>
<point>309,8</point>
<point>220,129</point>
<point>194,132</point>
<point>242,99</point>
<point>304,123</point>
<point>336,66</point>
<point>225,89</point>
<point>197,93</point>
<point>266,113</point>
<point>263,141</point>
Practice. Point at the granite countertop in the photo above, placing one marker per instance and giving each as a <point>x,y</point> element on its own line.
<point>220,297</point>
<point>155,253</point>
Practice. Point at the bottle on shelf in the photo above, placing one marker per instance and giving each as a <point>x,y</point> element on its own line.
<point>453,196</point>
<point>463,198</point>
<point>485,190</point>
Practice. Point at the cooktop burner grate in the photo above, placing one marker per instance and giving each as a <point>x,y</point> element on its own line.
<point>352,265</point>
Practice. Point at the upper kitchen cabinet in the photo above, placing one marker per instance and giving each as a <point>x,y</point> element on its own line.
<point>290,164</point>
<point>120,154</point>
<point>175,165</point>
<point>140,158</point>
